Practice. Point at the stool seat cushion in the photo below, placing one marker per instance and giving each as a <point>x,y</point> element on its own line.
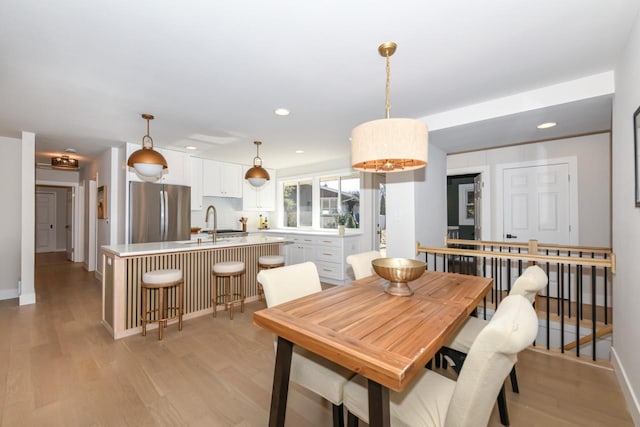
<point>157,277</point>
<point>271,259</point>
<point>228,267</point>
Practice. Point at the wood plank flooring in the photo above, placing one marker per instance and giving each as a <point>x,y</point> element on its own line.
<point>59,366</point>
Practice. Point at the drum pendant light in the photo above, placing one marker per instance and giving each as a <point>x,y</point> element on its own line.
<point>147,162</point>
<point>257,175</point>
<point>389,145</point>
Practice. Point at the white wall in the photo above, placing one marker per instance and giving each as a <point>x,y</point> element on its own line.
<point>626,225</point>
<point>10,148</point>
<point>593,156</point>
<point>416,207</point>
<point>27,219</point>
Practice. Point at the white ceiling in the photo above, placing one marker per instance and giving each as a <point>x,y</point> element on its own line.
<point>80,73</point>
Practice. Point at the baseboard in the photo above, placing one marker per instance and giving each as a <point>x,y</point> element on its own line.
<point>26,299</point>
<point>9,294</point>
<point>632,401</point>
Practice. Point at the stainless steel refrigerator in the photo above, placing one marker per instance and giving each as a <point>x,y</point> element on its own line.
<point>159,212</point>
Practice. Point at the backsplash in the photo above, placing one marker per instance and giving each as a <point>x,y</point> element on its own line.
<point>229,213</point>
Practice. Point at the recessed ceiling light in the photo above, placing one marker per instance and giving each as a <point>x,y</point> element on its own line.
<point>70,150</point>
<point>281,112</point>
<point>546,125</point>
<point>299,151</point>
<point>190,147</point>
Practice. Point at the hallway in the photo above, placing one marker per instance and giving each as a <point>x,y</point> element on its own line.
<point>59,366</point>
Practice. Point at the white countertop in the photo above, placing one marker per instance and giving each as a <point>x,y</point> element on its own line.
<point>327,232</point>
<point>135,249</point>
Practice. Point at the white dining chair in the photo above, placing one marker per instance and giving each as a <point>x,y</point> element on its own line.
<point>434,400</point>
<point>532,280</point>
<point>308,370</point>
<point>361,263</point>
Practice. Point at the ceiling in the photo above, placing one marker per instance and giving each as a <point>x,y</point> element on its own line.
<point>212,72</point>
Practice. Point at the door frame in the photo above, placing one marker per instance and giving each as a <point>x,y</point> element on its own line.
<point>76,229</point>
<point>574,229</point>
<point>485,206</point>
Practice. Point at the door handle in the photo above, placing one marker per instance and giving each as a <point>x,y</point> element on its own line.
<point>51,226</point>
<point>510,236</point>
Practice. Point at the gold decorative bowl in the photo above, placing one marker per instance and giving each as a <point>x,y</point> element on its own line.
<point>399,271</point>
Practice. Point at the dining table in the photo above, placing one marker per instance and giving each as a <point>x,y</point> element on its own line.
<point>387,339</point>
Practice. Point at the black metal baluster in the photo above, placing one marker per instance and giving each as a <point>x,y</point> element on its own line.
<point>569,284</point>
<point>593,309</point>
<point>561,303</point>
<point>579,307</point>
<point>606,310</point>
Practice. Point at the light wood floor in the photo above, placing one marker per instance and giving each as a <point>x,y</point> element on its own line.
<point>58,366</point>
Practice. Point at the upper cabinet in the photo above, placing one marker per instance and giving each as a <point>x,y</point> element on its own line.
<point>178,167</point>
<point>221,179</point>
<point>196,184</point>
<point>261,198</point>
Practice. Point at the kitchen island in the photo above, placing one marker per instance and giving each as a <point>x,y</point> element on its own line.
<point>124,265</point>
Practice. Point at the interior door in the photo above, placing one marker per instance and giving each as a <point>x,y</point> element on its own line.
<point>45,222</point>
<point>536,204</point>
<point>69,225</point>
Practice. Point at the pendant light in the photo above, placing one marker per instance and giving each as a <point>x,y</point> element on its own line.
<point>389,145</point>
<point>146,161</point>
<point>257,175</point>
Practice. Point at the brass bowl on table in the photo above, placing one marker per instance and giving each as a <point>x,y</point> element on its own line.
<point>399,271</point>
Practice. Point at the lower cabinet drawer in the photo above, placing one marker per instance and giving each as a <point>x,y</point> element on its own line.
<point>325,253</point>
<point>329,270</point>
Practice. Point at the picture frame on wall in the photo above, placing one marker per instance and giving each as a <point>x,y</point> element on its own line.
<point>102,202</point>
<point>636,152</point>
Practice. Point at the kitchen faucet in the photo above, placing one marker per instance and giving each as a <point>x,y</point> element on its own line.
<point>215,221</point>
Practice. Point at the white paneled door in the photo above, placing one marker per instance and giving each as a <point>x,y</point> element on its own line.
<point>537,204</point>
<point>45,222</point>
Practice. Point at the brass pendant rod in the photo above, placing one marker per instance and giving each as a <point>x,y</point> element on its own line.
<point>388,88</point>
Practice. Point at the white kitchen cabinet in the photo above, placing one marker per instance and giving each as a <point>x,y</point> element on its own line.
<point>328,252</point>
<point>196,184</point>
<point>301,250</point>
<point>221,179</point>
<point>177,172</point>
<point>261,198</point>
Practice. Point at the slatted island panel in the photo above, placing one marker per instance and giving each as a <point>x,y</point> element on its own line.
<point>124,265</point>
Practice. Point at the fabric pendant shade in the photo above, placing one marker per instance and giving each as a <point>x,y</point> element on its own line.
<point>389,145</point>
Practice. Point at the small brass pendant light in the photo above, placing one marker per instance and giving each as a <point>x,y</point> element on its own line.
<point>146,161</point>
<point>257,175</point>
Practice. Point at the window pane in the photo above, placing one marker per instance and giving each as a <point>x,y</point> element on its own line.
<point>350,199</point>
<point>306,203</point>
<point>291,205</point>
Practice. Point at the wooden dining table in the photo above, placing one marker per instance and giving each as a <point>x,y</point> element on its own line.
<point>387,339</point>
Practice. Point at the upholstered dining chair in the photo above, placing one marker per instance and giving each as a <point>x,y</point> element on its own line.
<point>361,263</point>
<point>532,280</point>
<point>308,370</point>
<point>434,400</point>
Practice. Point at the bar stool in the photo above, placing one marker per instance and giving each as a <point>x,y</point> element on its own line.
<point>267,262</point>
<point>233,287</point>
<point>160,281</point>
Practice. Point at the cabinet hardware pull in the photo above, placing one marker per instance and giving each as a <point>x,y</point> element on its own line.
<point>324,253</point>
<point>325,269</point>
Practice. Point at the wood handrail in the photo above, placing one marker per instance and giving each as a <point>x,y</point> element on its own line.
<point>589,262</point>
<point>607,329</point>
<point>541,246</point>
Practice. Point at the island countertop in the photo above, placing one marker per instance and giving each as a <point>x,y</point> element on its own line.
<point>137,249</point>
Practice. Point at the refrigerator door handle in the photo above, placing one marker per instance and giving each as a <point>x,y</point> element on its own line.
<point>166,215</point>
<point>162,215</point>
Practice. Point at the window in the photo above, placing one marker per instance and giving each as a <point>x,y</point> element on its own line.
<point>340,195</point>
<point>298,203</point>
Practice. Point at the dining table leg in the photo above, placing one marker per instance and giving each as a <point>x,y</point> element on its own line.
<point>379,415</point>
<point>280,383</point>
